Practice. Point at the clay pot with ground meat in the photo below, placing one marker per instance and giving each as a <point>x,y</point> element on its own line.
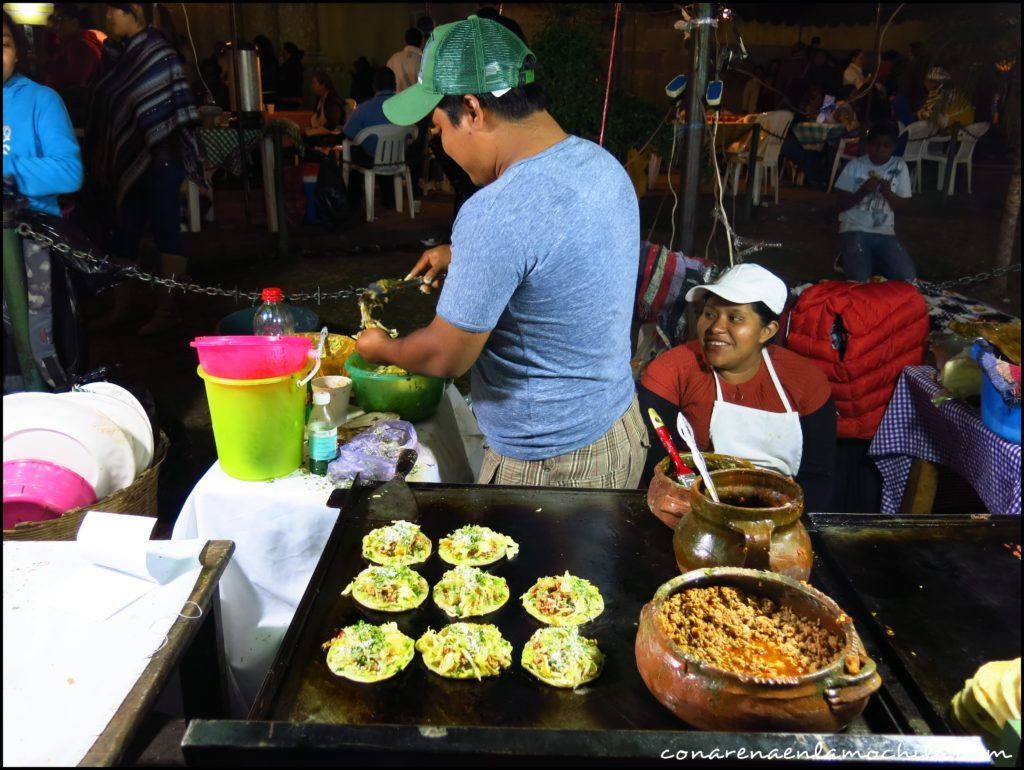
<point>756,525</point>
<point>712,698</point>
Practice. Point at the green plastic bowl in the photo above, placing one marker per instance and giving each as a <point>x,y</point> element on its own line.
<point>412,396</point>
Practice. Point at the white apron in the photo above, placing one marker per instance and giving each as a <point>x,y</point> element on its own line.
<point>772,440</point>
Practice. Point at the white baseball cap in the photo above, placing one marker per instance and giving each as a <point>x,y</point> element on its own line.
<point>746,283</point>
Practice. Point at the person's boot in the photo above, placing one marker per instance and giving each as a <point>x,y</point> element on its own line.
<point>120,295</point>
<point>166,316</point>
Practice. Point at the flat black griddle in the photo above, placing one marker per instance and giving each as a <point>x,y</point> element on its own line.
<point>306,714</point>
<point>941,592</point>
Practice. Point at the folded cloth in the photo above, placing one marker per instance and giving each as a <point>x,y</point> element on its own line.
<point>373,454</point>
<point>998,372</point>
<point>663,279</point>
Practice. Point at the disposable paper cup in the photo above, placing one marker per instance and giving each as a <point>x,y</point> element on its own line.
<point>340,389</point>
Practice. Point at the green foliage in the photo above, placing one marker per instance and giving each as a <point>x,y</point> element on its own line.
<point>573,68</point>
<point>569,68</point>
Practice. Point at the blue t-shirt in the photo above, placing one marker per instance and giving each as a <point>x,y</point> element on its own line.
<point>545,258</point>
<point>369,113</point>
<point>40,150</point>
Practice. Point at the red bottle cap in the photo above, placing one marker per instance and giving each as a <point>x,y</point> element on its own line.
<point>272,294</point>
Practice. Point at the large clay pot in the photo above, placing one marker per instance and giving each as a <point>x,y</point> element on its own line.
<point>756,525</point>
<point>669,499</point>
<point>711,698</point>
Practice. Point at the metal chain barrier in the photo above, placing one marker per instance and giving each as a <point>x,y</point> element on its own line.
<point>746,247</point>
<point>25,230</point>
<point>988,275</point>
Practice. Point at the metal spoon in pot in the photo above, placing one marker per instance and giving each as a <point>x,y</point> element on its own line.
<point>686,431</point>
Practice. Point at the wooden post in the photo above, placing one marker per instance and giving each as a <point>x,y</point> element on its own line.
<point>919,496</point>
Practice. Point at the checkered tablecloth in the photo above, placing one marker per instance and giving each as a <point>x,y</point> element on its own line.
<point>951,434</point>
<point>221,146</point>
<point>811,134</point>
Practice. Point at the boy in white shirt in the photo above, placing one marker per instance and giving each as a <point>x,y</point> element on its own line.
<point>873,187</point>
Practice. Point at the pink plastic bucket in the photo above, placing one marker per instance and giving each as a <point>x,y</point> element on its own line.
<point>36,490</point>
<point>252,357</point>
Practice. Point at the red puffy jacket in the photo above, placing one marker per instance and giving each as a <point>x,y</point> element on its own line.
<point>861,335</point>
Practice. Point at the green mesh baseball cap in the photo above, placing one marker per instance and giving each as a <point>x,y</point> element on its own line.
<point>474,56</point>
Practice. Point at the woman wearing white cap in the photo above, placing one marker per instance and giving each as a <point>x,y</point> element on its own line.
<point>743,396</point>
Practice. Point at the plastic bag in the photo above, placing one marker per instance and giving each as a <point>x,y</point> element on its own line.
<point>331,194</point>
<point>373,454</point>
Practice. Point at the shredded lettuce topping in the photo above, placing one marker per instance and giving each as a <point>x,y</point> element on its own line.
<point>467,591</point>
<point>388,588</point>
<point>369,653</point>
<point>399,543</point>
<point>565,600</point>
<point>562,658</point>
<point>476,546</point>
<point>465,651</point>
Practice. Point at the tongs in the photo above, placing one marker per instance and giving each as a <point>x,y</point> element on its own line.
<point>392,286</point>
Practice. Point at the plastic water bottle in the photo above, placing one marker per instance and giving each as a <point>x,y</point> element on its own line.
<point>323,434</point>
<point>273,319</point>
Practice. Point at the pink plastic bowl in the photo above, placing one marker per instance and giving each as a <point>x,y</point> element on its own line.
<point>36,490</point>
<point>252,357</point>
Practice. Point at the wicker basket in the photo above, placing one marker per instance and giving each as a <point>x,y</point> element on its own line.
<point>139,499</point>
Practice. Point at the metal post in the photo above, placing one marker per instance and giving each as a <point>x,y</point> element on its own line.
<point>278,182</point>
<point>748,196</point>
<point>238,114</point>
<point>16,298</point>
<point>693,133</point>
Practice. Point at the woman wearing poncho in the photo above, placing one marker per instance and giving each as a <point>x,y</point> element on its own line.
<point>142,142</point>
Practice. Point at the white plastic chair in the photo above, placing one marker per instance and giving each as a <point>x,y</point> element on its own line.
<point>388,160</point>
<point>913,155</point>
<point>841,154</point>
<point>968,138</point>
<point>774,127</point>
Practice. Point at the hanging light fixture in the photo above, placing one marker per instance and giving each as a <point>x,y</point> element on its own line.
<point>33,14</point>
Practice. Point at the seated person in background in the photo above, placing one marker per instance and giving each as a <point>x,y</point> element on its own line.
<point>289,78</point>
<point>371,113</point>
<point>329,117</point>
<point>744,396</point>
<point>945,104</point>
<point>752,91</point>
<point>873,187</point>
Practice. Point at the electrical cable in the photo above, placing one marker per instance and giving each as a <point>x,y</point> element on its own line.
<point>191,42</point>
<point>671,187</point>
<point>608,86</point>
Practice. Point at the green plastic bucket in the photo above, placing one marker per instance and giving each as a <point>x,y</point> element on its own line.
<point>257,424</point>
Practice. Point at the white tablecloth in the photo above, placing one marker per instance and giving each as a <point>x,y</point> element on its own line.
<point>65,675</point>
<point>280,528</point>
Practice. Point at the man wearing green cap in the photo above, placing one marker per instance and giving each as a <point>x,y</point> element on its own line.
<point>538,297</point>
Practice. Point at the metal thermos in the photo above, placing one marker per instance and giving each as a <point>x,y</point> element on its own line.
<point>245,91</point>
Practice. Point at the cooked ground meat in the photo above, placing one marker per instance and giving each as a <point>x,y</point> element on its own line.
<point>748,634</point>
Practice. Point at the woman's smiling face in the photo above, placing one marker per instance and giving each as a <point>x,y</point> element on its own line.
<point>732,335</point>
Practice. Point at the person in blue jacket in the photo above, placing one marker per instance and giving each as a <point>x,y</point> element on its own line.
<point>41,155</point>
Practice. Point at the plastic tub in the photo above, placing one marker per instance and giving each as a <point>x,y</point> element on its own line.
<point>999,418</point>
<point>250,357</point>
<point>257,424</point>
<point>240,322</point>
<point>412,396</point>
<point>37,490</point>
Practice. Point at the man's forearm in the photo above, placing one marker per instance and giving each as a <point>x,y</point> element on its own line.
<point>438,350</point>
